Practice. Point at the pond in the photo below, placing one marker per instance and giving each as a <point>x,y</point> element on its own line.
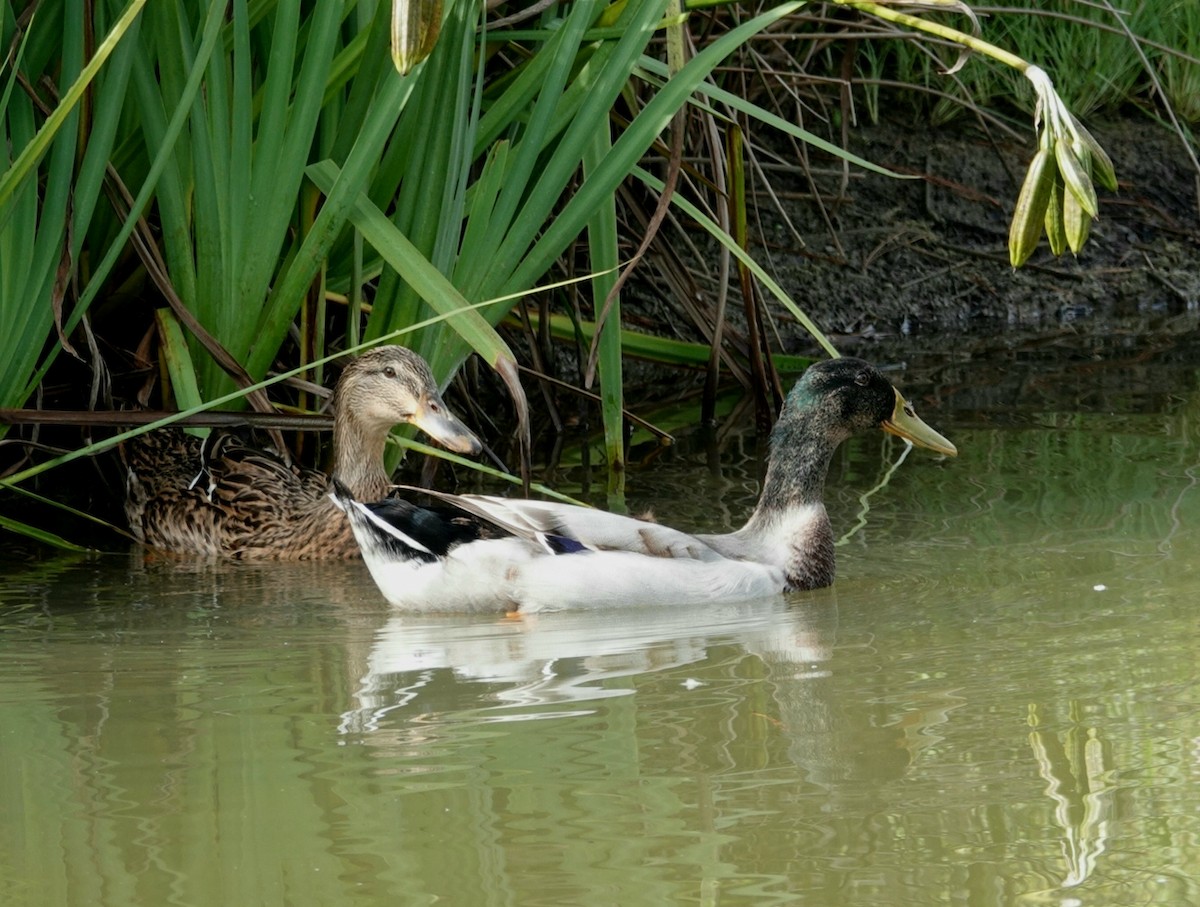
<point>996,704</point>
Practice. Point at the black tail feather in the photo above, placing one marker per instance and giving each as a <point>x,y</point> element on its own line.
<point>404,529</point>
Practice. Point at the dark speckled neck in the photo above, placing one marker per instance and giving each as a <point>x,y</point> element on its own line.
<point>832,401</point>
<point>801,448</point>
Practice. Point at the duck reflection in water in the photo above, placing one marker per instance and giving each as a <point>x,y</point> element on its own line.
<point>446,676</point>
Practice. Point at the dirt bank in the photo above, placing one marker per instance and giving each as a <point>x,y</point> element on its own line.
<point>915,273</point>
<point>929,256</point>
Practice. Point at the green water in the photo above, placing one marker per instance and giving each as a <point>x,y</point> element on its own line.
<point>996,704</point>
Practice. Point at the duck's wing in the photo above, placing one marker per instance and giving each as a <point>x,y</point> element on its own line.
<point>563,528</point>
<point>437,558</point>
<point>234,474</point>
<point>397,529</point>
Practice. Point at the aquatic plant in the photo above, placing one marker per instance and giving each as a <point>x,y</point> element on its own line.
<point>252,187</point>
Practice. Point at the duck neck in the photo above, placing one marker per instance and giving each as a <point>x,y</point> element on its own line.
<point>358,458</point>
<point>800,452</point>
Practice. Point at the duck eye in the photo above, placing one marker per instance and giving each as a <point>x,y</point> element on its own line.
<point>862,379</point>
<point>389,371</point>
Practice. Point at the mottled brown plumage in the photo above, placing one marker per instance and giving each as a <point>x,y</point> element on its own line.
<point>231,500</point>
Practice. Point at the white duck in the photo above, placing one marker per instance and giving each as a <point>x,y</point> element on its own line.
<point>482,553</point>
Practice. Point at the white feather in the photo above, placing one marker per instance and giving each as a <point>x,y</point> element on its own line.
<point>609,579</point>
<point>595,529</point>
<point>470,578</point>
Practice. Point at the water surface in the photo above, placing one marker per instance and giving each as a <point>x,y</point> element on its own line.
<point>996,704</point>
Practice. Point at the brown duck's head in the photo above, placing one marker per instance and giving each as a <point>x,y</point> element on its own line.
<point>392,385</point>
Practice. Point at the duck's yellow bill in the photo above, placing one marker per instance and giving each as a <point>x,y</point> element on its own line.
<point>908,425</point>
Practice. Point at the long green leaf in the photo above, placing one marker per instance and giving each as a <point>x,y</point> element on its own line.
<point>738,252</point>
<point>179,361</point>
<point>632,144</point>
<point>602,247</point>
<point>651,347</point>
<point>39,535</point>
<point>33,152</point>
<point>433,286</point>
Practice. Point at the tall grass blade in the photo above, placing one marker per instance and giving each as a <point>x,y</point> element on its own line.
<point>33,152</point>
<point>38,535</point>
<point>602,247</point>
<point>714,230</point>
<point>434,287</point>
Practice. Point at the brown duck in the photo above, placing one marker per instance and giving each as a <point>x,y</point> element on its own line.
<point>225,499</point>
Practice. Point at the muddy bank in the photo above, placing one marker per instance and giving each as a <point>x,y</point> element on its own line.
<point>916,271</point>
<point>928,258</point>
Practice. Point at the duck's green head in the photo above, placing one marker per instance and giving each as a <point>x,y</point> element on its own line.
<point>850,396</point>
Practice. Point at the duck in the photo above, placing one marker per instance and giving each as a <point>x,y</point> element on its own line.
<point>224,498</point>
<point>480,553</point>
